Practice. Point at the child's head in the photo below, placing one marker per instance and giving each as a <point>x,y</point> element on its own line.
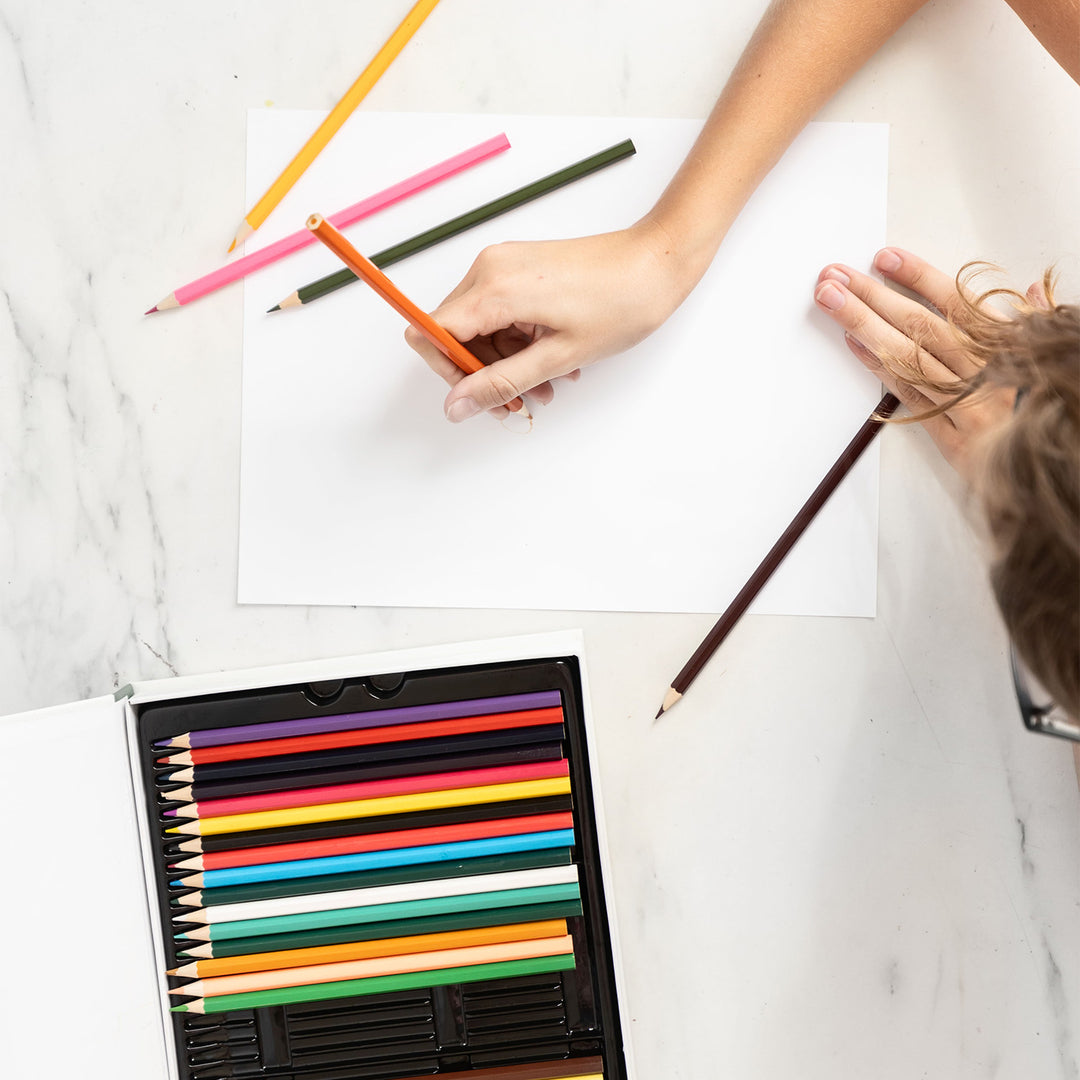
<point>1030,489</point>
<point>1028,478</point>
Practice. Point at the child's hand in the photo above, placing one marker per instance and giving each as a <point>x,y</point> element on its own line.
<point>880,322</point>
<point>538,311</point>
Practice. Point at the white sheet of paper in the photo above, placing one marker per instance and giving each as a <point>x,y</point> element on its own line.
<point>656,483</point>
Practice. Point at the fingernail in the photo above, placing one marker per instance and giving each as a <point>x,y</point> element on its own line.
<point>828,295</point>
<point>836,274</point>
<point>887,261</point>
<point>461,409</point>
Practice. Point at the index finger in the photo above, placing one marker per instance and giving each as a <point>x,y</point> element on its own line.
<point>927,281</point>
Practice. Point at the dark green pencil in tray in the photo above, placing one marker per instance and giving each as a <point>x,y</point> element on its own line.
<point>306,293</point>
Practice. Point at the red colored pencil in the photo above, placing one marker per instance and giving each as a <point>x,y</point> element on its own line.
<point>303,744</point>
<point>370,789</point>
<point>383,841</point>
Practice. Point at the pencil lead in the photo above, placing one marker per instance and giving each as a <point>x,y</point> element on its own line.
<point>179,1008</point>
<point>276,307</point>
<point>151,311</point>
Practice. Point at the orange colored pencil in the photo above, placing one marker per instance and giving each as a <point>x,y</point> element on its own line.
<point>376,966</point>
<point>368,272</point>
<point>362,950</point>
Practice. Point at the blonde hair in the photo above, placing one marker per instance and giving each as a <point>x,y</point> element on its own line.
<point>1029,479</point>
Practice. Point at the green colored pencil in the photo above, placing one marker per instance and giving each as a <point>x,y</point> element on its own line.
<point>390,875</point>
<point>432,924</point>
<point>379,984</point>
<point>447,229</point>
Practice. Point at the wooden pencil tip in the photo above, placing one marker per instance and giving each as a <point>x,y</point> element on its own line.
<point>670,698</point>
<point>292,300</point>
<point>242,234</point>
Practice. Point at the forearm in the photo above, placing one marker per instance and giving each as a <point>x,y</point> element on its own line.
<point>1056,23</point>
<point>801,52</point>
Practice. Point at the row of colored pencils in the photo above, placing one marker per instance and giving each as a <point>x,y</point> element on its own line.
<point>356,854</point>
<point>323,286</point>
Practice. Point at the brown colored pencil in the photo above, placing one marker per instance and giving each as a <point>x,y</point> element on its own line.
<point>810,509</point>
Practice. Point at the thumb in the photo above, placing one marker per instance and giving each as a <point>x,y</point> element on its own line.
<point>508,378</point>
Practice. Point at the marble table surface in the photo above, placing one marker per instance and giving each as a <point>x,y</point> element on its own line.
<point>841,856</point>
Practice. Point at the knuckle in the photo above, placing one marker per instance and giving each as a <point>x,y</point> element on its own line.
<point>920,326</point>
<point>503,389</point>
<point>916,274</point>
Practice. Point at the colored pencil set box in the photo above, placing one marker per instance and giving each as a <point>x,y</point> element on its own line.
<point>379,867</point>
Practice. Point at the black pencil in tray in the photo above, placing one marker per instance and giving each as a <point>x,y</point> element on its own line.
<point>412,887</point>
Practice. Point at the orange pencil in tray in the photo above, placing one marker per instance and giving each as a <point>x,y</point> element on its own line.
<point>368,272</point>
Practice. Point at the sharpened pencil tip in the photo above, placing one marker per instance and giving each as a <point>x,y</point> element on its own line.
<point>276,307</point>
<point>151,311</point>
<point>659,713</point>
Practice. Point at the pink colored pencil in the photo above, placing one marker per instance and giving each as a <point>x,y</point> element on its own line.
<point>239,268</point>
<point>371,789</point>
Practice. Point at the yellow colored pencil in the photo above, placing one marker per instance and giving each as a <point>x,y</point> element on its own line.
<point>337,116</point>
<point>387,804</point>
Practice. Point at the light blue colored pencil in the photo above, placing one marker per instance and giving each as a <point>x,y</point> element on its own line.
<point>374,860</point>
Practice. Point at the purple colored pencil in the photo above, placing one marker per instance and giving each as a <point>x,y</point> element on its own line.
<point>317,725</point>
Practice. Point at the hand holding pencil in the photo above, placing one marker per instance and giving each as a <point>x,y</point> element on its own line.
<point>539,311</point>
<point>422,323</point>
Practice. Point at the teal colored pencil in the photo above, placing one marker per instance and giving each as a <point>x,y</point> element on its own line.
<point>404,909</point>
<point>337,935</point>
<point>379,984</point>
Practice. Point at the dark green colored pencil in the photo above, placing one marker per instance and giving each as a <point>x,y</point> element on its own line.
<point>391,875</point>
<point>429,924</point>
<point>447,229</point>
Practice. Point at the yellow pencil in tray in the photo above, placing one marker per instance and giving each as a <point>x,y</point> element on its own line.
<point>337,116</point>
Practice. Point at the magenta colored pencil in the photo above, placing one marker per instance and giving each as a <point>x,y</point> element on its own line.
<point>365,208</point>
<point>374,789</point>
<point>403,714</point>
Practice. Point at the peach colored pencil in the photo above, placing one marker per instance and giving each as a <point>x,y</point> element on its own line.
<point>382,965</point>
<point>364,950</point>
<point>368,272</point>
